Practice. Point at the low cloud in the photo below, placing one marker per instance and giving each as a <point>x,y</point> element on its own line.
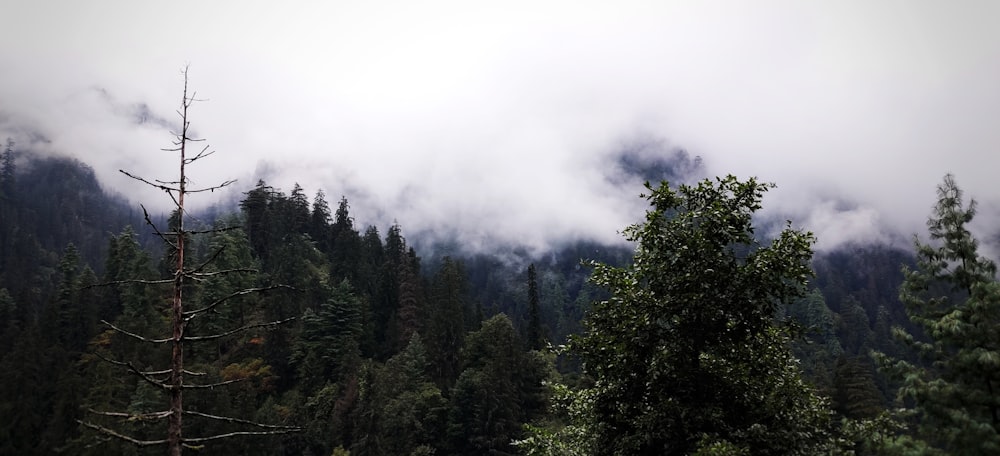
<point>509,125</point>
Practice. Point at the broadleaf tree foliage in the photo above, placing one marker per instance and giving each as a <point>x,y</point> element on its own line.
<point>953,296</point>
<point>686,355</point>
<point>172,380</point>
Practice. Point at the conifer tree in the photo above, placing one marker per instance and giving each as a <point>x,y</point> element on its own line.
<point>536,340</point>
<point>497,391</point>
<point>954,297</point>
<point>7,171</point>
<point>345,252</point>
<point>446,322</point>
<point>319,223</point>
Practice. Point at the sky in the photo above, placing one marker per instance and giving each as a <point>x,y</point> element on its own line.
<point>499,122</point>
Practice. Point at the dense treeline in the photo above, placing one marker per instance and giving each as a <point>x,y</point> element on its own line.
<point>390,353</point>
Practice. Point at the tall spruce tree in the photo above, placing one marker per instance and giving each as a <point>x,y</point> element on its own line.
<point>536,339</point>
<point>445,325</point>
<point>954,297</point>
<point>7,170</point>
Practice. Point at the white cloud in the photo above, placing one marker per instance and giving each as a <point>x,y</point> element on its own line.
<point>499,120</point>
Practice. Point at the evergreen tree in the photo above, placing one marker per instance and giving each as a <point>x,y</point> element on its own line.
<point>499,390</point>
<point>536,338</point>
<point>298,216</point>
<point>8,320</point>
<point>27,386</point>
<point>445,322</point>
<point>346,251</point>
<point>370,280</point>
<point>319,223</point>
<point>403,411</point>
<point>8,171</point>
<point>954,297</point>
<point>685,354</point>
<point>854,330</point>
<point>328,349</point>
<point>855,392</point>
<point>258,213</point>
<point>819,349</point>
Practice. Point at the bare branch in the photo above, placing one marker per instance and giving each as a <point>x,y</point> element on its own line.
<point>222,272</point>
<point>208,231</point>
<point>151,184</point>
<point>167,371</point>
<point>242,292</point>
<point>208,261</point>
<point>156,230</point>
<point>132,440</point>
<point>134,416</point>
<point>204,153</point>
<point>213,385</point>
<point>240,421</point>
<point>129,282</point>
<point>134,370</point>
<point>240,329</point>
<point>235,434</point>
<point>134,335</point>
<point>212,189</point>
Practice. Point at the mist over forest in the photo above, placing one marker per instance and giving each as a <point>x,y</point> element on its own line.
<point>545,229</point>
<point>430,322</point>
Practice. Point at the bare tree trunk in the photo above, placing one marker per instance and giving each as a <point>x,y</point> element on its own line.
<point>173,385</point>
<point>175,422</point>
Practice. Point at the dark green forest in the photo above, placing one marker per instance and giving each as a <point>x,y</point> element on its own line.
<point>696,337</point>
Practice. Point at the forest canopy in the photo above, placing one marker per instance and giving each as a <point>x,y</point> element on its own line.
<point>707,338</point>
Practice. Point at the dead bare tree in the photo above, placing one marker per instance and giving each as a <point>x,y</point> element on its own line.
<point>171,381</point>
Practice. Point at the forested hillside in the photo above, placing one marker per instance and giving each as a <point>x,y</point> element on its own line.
<point>386,350</point>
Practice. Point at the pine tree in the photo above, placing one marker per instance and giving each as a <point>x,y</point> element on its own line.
<point>954,297</point>
<point>535,336</point>
<point>404,412</point>
<point>298,211</point>
<point>855,393</point>
<point>446,322</point>
<point>345,253</point>
<point>8,171</point>
<point>319,223</point>
<point>328,349</point>
<point>497,391</point>
<point>257,211</point>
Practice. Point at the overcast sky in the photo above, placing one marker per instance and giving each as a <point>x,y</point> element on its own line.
<point>500,118</point>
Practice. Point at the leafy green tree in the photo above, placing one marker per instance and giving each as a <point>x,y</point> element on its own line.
<point>954,297</point>
<point>685,355</point>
